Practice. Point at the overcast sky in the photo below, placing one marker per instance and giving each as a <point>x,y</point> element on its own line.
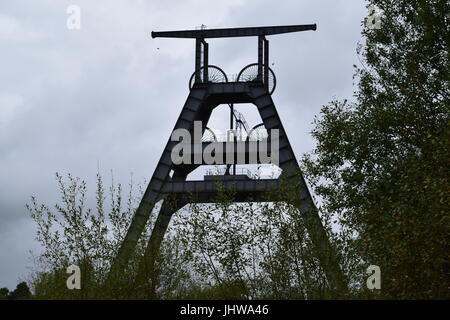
<point>107,96</point>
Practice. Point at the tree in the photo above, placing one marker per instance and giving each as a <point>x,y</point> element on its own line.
<point>73,233</point>
<point>4,292</point>
<point>22,292</point>
<point>381,162</point>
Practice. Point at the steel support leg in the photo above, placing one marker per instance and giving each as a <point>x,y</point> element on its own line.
<point>147,274</point>
<point>266,64</point>
<point>205,60</point>
<point>198,59</point>
<point>260,56</point>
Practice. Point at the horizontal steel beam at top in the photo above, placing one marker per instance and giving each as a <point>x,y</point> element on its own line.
<point>233,32</point>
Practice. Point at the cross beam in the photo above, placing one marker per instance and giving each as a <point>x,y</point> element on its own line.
<point>233,32</point>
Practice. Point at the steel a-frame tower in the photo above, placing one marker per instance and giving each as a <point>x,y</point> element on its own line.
<point>209,87</point>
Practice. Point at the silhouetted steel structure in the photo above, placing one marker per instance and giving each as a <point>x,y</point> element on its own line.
<point>210,87</point>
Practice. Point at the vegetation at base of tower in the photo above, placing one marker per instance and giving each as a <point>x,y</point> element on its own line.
<point>211,251</point>
<point>379,171</point>
<point>381,162</point>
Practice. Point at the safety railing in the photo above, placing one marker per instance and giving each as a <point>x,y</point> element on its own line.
<point>223,171</point>
<point>257,134</point>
